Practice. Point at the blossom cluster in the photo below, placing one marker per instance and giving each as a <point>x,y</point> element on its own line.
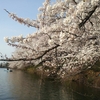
<point>64,13</point>
<point>58,17</point>
<point>27,21</point>
<point>20,38</point>
<point>58,24</point>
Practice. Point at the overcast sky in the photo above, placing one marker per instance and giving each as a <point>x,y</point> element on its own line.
<point>9,27</point>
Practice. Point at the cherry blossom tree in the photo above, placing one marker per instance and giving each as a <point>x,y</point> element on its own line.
<point>67,39</point>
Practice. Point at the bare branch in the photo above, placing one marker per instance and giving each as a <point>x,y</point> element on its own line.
<point>88,16</point>
<point>7,11</point>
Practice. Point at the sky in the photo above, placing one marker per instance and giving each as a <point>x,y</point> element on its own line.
<point>9,27</point>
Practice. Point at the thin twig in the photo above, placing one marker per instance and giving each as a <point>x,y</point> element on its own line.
<point>7,11</point>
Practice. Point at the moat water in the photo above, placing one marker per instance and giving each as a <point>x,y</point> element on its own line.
<point>18,85</point>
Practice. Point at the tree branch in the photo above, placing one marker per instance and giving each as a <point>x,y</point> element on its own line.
<point>88,16</point>
<point>7,11</point>
<point>25,59</point>
<point>32,23</point>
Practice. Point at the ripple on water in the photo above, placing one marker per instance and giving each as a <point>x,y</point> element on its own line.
<point>18,85</point>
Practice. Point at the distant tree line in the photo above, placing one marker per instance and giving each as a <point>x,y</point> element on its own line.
<point>4,64</point>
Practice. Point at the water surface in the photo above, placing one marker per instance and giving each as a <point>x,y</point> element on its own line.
<point>18,85</point>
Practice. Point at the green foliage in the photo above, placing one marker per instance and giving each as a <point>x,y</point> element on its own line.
<point>30,69</point>
<point>96,67</point>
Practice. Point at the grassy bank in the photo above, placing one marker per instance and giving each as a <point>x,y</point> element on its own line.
<point>89,77</point>
<point>33,71</point>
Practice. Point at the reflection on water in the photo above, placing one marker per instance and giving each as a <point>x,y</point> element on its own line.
<point>18,85</point>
